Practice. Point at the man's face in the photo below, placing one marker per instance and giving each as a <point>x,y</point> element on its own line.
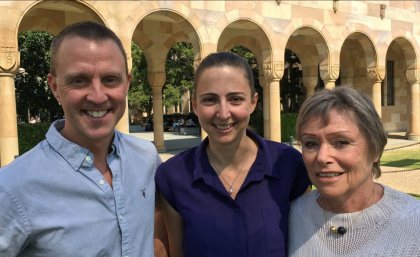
<point>91,83</point>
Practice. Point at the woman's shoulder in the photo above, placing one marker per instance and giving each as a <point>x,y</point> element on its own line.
<point>405,206</point>
<point>305,202</point>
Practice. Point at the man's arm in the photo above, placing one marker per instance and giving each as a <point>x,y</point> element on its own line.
<point>14,227</point>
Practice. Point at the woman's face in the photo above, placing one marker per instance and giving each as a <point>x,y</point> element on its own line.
<point>223,103</point>
<point>336,156</point>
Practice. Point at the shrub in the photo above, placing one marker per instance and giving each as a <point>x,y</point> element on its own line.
<point>288,123</point>
<point>30,135</point>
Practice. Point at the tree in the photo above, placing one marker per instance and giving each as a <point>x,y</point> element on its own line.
<point>140,92</point>
<point>33,96</point>
<point>291,86</point>
<point>179,72</point>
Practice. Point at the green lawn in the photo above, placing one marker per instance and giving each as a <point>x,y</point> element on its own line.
<point>408,158</point>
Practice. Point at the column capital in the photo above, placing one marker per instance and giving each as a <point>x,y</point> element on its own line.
<point>413,75</point>
<point>156,78</point>
<point>376,73</point>
<point>273,70</point>
<point>329,72</point>
<point>9,59</point>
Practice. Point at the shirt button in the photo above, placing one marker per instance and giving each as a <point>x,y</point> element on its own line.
<point>101,182</point>
<point>121,217</point>
<point>88,158</point>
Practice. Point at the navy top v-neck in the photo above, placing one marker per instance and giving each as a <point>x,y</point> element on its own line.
<point>255,223</point>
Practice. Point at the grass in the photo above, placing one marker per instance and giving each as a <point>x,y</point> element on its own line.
<point>408,158</point>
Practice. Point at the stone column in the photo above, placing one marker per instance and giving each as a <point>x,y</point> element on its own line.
<point>156,80</point>
<point>310,83</point>
<point>266,107</point>
<point>413,77</point>
<point>123,123</point>
<point>329,74</point>
<point>376,75</point>
<point>273,71</point>
<point>9,146</point>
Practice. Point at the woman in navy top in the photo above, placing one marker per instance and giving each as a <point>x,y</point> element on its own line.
<point>229,196</point>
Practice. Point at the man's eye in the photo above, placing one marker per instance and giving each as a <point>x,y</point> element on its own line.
<point>111,80</point>
<point>79,81</point>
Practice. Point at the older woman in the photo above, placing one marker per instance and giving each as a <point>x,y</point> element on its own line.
<point>342,140</point>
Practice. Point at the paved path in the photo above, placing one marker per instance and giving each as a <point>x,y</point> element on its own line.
<point>406,181</point>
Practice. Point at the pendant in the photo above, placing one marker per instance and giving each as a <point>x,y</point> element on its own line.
<point>231,190</point>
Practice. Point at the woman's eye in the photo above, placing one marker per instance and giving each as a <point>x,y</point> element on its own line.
<point>208,100</point>
<point>341,143</point>
<point>309,144</point>
<point>236,100</point>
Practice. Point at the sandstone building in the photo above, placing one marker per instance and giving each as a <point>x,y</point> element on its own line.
<point>370,45</point>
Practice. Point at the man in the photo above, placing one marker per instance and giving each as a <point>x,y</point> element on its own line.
<point>87,189</point>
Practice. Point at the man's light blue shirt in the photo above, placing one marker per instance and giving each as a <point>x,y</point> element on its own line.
<point>55,203</point>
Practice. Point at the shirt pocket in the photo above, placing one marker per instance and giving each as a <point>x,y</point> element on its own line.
<point>273,235</point>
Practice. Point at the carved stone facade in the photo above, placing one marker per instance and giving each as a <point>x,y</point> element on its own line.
<point>347,42</point>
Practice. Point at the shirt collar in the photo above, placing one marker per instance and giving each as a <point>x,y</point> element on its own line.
<point>75,155</point>
<point>259,169</point>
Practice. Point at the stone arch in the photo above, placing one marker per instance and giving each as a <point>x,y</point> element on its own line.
<point>405,91</point>
<point>357,55</point>
<point>379,44</point>
<point>359,66</point>
<point>245,17</point>
<point>155,34</point>
<point>52,16</point>
<point>178,13</point>
<point>248,34</point>
<point>312,49</point>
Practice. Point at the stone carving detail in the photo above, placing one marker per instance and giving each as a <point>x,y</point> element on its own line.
<point>9,58</point>
<point>273,70</point>
<point>329,72</point>
<point>413,75</point>
<point>376,74</point>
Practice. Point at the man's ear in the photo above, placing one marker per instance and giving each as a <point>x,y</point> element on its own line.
<point>52,82</point>
<point>129,78</point>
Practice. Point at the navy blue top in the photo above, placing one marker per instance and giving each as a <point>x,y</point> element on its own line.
<point>255,224</point>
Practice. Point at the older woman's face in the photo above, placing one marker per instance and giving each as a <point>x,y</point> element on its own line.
<point>336,156</point>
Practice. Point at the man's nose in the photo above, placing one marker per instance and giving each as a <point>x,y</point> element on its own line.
<point>97,92</point>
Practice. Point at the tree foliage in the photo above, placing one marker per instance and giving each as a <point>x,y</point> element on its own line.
<point>33,96</point>
<point>179,72</point>
<point>291,86</point>
<point>140,92</point>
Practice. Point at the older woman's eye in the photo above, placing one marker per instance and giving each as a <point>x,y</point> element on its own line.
<point>309,144</point>
<point>341,143</point>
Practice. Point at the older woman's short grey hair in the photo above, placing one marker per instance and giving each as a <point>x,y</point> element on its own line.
<point>353,104</point>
